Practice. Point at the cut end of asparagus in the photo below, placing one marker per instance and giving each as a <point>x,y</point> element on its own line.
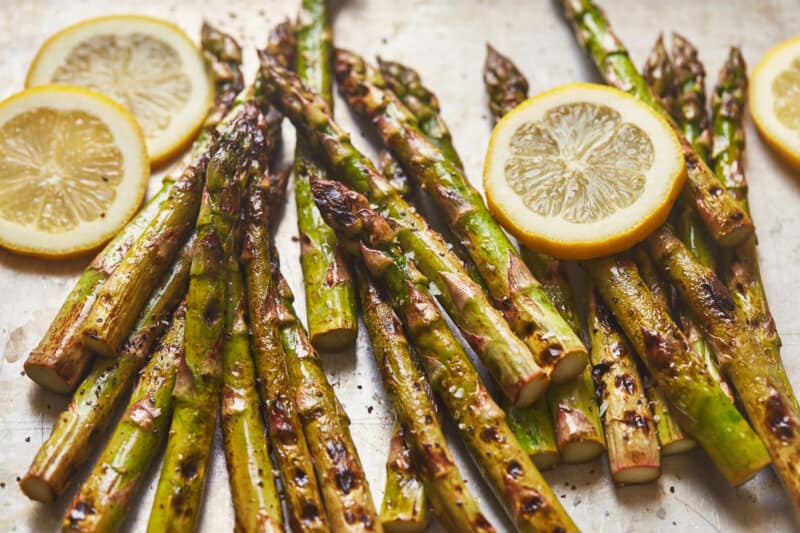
<point>334,340</point>
<point>37,489</point>
<point>581,452</point>
<point>569,366</point>
<point>531,391</point>
<point>47,377</point>
<point>546,460</point>
<point>637,475</point>
<point>679,446</point>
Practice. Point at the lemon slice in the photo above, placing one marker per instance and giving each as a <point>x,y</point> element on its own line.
<point>775,98</point>
<point>582,170</point>
<point>148,65</point>
<point>73,170</point>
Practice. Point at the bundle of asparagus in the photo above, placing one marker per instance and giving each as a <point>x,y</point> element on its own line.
<point>236,344</point>
<point>734,317</point>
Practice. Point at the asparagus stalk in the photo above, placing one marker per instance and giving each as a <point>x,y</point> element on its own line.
<point>256,502</point>
<point>281,46</point>
<point>343,483</point>
<point>223,57</point>
<point>753,370</point>
<point>527,499</point>
<point>61,358</point>
<point>239,153</point>
<point>578,429</point>
<point>305,509</point>
<point>530,313</point>
<point>330,296</point>
<point>689,112</point>
<point>405,504</point>
<point>633,450</point>
<point>120,299</point>
<point>407,85</point>
<point>671,436</point>
<point>577,422</point>
<point>505,85</point>
<point>680,373</point>
<point>534,430</point>
<point>690,106</point>
<point>727,111</point>
<point>659,74</point>
<point>105,497</point>
<point>488,333</point>
<point>409,393</point>
<point>122,296</point>
<point>93,404</point>
<point>394,173</point>
<point>725,220</point>
<point>739,267</point>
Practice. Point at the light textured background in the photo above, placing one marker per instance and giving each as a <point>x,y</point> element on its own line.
<point>445,41</point>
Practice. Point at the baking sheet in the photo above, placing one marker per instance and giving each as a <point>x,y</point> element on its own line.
<point>445,41</point>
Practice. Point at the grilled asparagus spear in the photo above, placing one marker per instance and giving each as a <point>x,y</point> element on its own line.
<point>739,266</point>
<point>306,511</point>
<point>106,495</point>
<point>416,414</point>
<point>330,295</point>
<point>240,152</point>
<point>256,502</point>
<point>633,450</point>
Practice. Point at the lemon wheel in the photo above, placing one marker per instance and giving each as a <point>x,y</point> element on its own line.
<point>73,170</point>
<point>148,65</point>
<point>775,98</point>
<point>582,170</point>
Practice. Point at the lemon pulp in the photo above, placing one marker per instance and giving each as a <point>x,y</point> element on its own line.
<point>580,162</point>
<point>142,73</point>
<point>786,91</point>
<point>57,168</point>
